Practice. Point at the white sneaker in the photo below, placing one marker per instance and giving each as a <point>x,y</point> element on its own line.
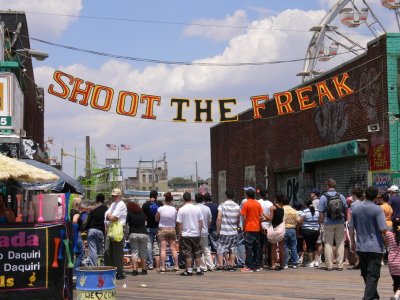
<point>311,264</point>
<point>285,267</point>
<point>300,261</point>
<point>316,263</point>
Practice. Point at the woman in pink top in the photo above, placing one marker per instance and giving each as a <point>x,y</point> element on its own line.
<point>393,239</point>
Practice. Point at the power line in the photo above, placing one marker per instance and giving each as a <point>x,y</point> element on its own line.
<point>170,62</point>
<point>174,23</point>
<point>165,22</point>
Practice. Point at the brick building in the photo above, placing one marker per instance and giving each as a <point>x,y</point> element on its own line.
<point>353,139</point>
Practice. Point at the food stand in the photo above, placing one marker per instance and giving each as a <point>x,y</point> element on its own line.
<point>36,250</point>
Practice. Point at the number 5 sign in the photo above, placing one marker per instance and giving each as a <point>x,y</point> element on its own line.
<point>5,121</point>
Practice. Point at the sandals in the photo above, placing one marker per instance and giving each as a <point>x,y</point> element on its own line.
<point>176,270</point>
<point>162,271</point>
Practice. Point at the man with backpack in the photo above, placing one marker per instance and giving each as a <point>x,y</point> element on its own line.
<point>332,211</point>
<point>150,210</point>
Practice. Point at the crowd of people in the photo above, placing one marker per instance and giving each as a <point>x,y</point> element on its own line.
<point>253,234</point>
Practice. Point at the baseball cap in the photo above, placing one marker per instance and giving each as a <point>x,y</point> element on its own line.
<point>316,191</point>
<point>116,192</point>
<point>393,188</point>
<point>249,188</point>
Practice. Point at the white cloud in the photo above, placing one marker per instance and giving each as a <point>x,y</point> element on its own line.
<point>219,32</point>
<point>53,26</point>
<point>184,143</point>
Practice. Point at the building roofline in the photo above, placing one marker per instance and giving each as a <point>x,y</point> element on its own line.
<point>12,12</point>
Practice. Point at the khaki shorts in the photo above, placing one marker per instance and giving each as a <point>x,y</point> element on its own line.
<point>166,234</point>
<point>191,246</point>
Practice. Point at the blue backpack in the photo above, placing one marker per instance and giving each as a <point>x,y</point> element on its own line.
<point>153,208</point>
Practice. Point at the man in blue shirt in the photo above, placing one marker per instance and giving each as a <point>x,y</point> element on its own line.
<point>368,220</point>
<point>394,201</point>
<point>333,225</point>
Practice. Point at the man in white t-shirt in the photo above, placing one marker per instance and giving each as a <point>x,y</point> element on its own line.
<point>190,224</point>
<point>114,251</point>
<point>206,258</point>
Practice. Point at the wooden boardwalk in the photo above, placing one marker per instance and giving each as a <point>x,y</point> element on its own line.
<point>301,283</point>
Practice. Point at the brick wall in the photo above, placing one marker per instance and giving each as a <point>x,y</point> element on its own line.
<point>277,142</point>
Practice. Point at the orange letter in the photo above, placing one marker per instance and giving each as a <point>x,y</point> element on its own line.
<point>65,90</point>
<point>323,91</point>
<point>149,107</point>
<point>280,105</point>
<point>257,106</point>
<point>342,86</point>
<point>107,101</point>
<point>303,99</point>
<point>121,103</point>
<point>84,92</point>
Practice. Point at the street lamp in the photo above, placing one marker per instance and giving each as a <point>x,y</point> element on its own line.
<point>38,55</point>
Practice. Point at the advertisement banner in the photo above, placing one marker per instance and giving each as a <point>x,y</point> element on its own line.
<point>24,256</point>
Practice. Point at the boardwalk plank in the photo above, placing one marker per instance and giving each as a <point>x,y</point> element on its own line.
<point>302,283</point>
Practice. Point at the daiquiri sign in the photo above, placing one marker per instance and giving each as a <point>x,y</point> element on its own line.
<point>32,264</point>
<point>127,102</point>
<point>24,258</point>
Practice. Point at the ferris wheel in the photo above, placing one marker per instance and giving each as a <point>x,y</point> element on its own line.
<point>348,25</point>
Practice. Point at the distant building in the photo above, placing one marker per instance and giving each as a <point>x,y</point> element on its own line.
<point>152,175</point>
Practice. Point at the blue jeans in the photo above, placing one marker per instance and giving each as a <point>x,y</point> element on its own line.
<point>79,254</point>
<point>291,245</point>
<point>241,249</point>
<point>95,240</point>
<point>370,266</point>
<point>150,242</point>
<point>252,243</point>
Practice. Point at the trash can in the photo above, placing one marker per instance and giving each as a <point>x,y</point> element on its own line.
<point>96,283</point>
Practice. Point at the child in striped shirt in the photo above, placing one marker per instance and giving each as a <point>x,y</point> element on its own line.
<point>393,239</point>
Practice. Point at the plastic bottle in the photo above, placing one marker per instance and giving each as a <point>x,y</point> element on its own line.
<point>31,212</point>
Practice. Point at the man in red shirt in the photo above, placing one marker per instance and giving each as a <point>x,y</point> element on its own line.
<point>251,213</point>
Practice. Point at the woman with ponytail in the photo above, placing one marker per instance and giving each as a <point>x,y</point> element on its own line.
<point>310,230</point>
<point>393,239</point>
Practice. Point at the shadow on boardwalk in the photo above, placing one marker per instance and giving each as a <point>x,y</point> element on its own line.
<point>301,283</point>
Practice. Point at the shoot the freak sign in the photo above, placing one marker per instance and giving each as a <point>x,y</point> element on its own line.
<point>126,103</point>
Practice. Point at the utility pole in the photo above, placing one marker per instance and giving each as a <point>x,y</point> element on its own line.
<point>152,174</point>
<point>197,178</point>
<point>62,158</point>
<point>75,164</point>
<point>87,169</point>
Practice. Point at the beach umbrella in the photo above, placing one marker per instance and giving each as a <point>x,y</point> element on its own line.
<point>13,169</point>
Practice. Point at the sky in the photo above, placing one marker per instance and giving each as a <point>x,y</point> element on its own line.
<point>223,31</point>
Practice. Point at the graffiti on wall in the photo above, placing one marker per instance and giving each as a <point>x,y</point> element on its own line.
<point>395,179</point>
<point>296,186</point>
<point>10,149</point>
<point>331,121</point>
<point>370,93</point>
<point>250,176</point>
<point>292,188</point>
<point>381,181</point>
<point>356,180</point>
